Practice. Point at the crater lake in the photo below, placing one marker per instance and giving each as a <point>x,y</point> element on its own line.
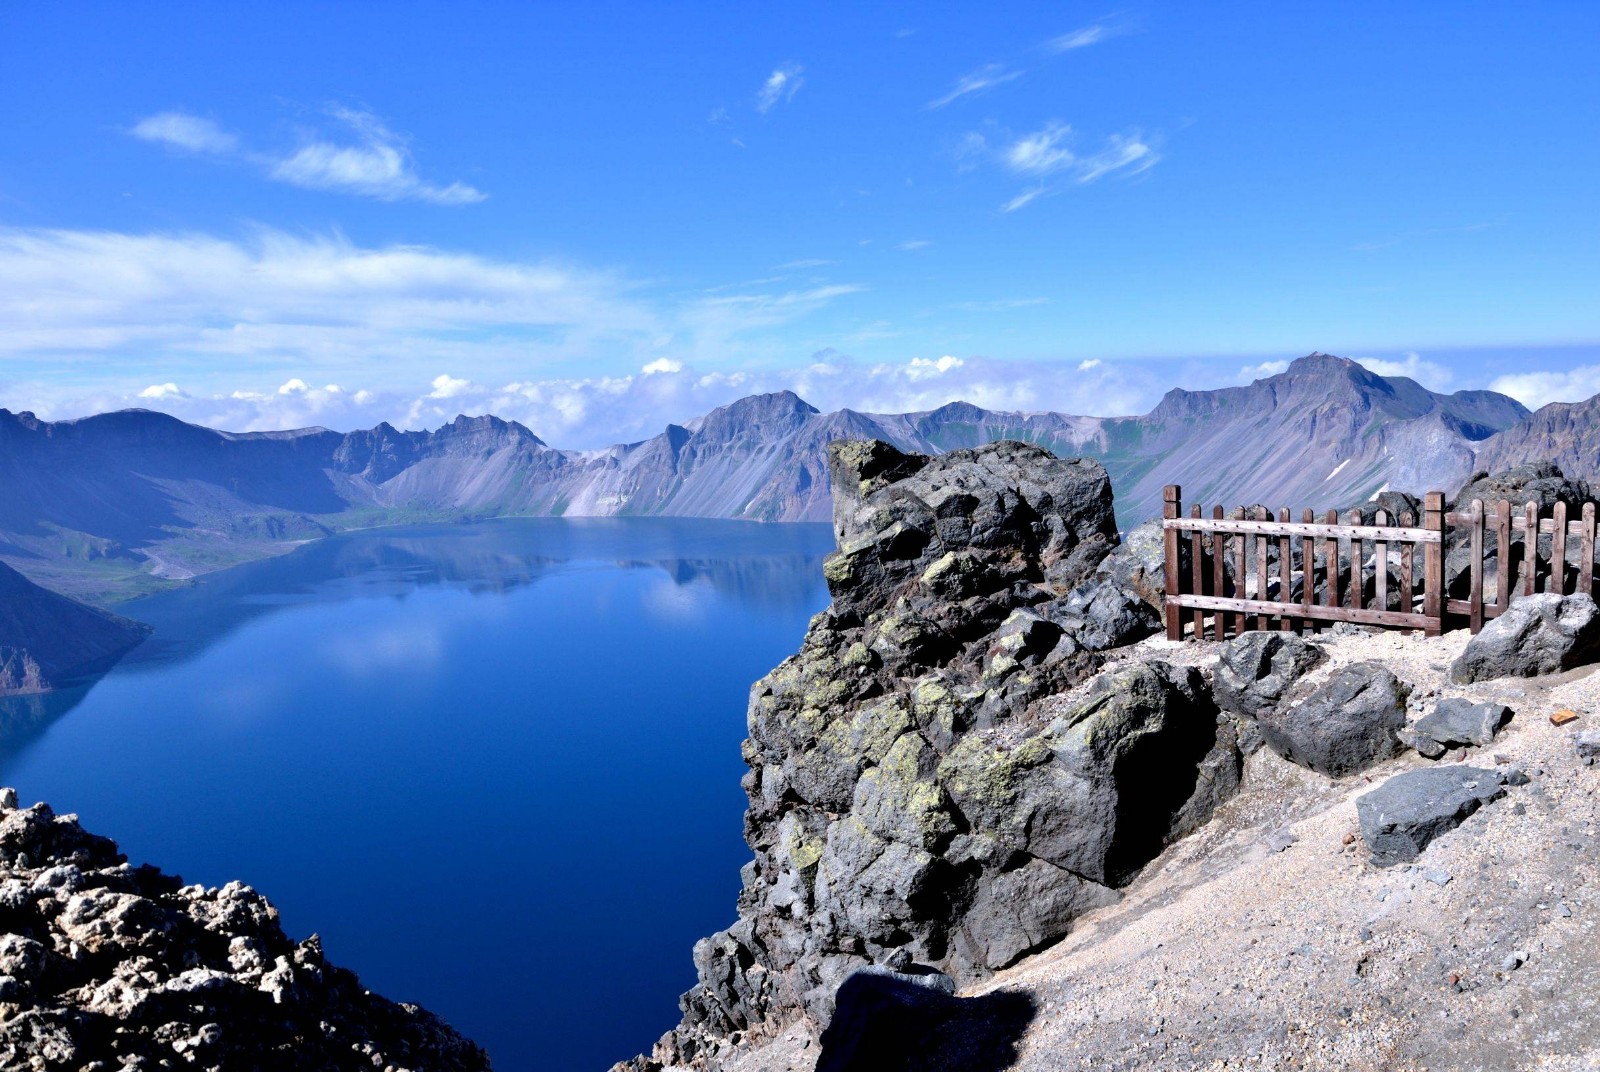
<point>495,766</point>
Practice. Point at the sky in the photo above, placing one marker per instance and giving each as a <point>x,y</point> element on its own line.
<point>599,218</point>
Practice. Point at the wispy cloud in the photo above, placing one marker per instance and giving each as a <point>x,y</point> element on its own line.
<point>1130,152</point>
<point>986,77</point>
<point>371,160</point>
<point>1085,36</point>
<point>1025,198</point>
<point>190,133</point>
<point>1049,151</point>
<point>802,263</point>
<point>781,86</point>
<point>1041,152</point>
<point>911,245</point>
<point>377,164</point>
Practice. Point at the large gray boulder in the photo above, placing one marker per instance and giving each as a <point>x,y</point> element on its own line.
<point>918,794</point>
<point>1400,817</point>
<point>1454,723</point>
<point>1256,671</point>
<point>1343,725</point>
<point>1539,634</point>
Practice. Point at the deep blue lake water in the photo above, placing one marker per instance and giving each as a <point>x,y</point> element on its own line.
<point>495,766</point>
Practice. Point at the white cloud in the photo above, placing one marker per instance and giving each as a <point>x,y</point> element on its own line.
<point>1041,152</point>
<point>307,300</point>
<point>295,386</point>
<point>1430,374</point>
<point>1090,364</point>
<point>1026,197</point>
<point>803,263</point>
<point>1263,370</point>
<point>1085,36</point>
<point>158,391</point>
<point>1128,151</point>
<point>662,365</point>
<point>373,161</point>
<point>921,368</point>
<point>913,244</point>
<point>986,77</point>
<point>188,132</point>
<point>1537,389</point>
<point>448,386</point>
<point>1048,151</point>
<point>377,165</point>
<point>781,86</point>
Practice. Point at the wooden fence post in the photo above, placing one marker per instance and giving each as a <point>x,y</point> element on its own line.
<point>1171,504</point>
<point>1433,594</point>
<point>1475,596</point>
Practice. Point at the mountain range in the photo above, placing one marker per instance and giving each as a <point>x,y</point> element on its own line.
<point>113,505</point>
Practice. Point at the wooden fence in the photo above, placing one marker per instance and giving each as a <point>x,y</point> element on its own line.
<point>1251,571</point>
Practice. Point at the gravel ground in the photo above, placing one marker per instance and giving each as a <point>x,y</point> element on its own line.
<point>1233,952</point>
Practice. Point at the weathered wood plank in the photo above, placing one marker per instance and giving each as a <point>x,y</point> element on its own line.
<point>1358,581</point>
<point>1308,570</point>
<point>1408,601</point>
<point>1263,568</point>
<point>1330,552</point>
<point>1296,528</point>
<point>1332,614</point>
<point>1464,606</point>
<point>1285,573</point>
<point>1558,550</point>
<point>1433,564</point>
<point>1380,560</point>
<point>1475,593</point>
<point>1171,500</point>
<point>1502,535</point>
<point>1197,573</point>
<point>1219,575</point>
<point>1586,551</point>
<point>1530,551</point>
<point>1241,579</point>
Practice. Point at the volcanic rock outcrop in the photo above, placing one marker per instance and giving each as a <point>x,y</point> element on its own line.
<point>913,801</point>
<point>108,966</point>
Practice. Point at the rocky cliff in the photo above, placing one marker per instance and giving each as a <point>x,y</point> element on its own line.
<point>108,966</point>
<point>912,806</point>
<point>47,639</point>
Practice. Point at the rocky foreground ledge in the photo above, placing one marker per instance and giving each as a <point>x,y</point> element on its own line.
<point>105,966</point>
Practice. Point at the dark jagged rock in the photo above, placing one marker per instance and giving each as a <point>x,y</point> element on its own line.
<point>1400,817</point>
<point>1256,671</point>
<point>1542,482</point>
<point>1454,723</point>
<point>1539,634</point>
<point>1342,725</point>
<point>911,799</point>
<point>107,966</point>
<point>47,639</point>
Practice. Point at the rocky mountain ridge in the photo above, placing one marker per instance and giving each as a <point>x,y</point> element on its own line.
<point>47,639</point>
<point>109,506</point>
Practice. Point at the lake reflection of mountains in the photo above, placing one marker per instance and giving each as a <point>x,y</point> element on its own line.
<point>767,568</point>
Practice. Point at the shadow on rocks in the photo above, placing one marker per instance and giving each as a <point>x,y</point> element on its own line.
<point>887,1021</point>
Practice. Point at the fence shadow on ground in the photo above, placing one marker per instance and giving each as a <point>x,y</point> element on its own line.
<point>883,1023</point>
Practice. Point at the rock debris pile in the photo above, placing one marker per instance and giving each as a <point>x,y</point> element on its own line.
<point>113,968</point>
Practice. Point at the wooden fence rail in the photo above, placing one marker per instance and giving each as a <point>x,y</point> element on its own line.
<point>1253,571</point>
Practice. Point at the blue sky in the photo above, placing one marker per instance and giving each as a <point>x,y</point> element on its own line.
<point>596,218</point>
